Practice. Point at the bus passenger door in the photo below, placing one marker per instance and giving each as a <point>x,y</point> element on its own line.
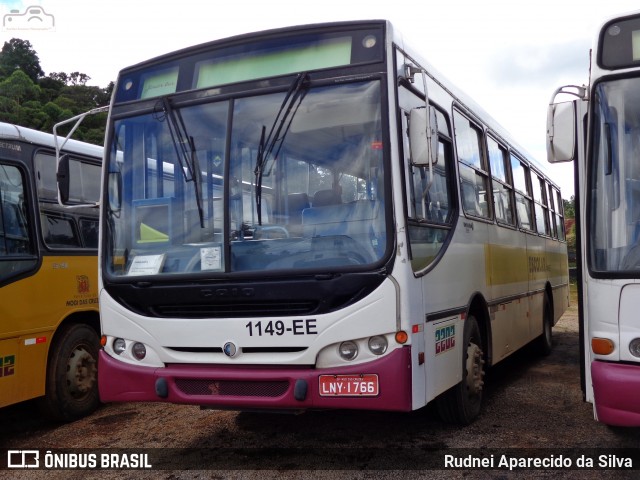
<point>430,215</point>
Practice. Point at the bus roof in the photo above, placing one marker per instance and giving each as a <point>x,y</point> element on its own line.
<point>393,35</point>
<point>9,131</point>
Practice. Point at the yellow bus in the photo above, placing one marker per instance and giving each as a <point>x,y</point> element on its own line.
<point>49,320</point>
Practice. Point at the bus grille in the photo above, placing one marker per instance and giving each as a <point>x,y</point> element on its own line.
<point>234,310</point>
<point>233,388</point>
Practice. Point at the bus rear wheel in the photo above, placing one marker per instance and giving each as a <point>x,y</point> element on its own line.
<point>544,343</point>
<point>462,403</point>
<point>71,390</point>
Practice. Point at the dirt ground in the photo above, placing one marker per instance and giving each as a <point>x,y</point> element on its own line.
<point>533,408</point>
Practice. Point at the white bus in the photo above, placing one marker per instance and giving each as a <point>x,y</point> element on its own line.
<point>600,130</point>
<point>289,222</point>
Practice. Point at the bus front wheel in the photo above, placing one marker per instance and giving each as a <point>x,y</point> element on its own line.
<point>462,403</point>
<point>71,390</point>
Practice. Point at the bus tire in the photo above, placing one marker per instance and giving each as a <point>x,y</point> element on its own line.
<point>461,404</point>
<point>544,343</point>
<point>71,389</point>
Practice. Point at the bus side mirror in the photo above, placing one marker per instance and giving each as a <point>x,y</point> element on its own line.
<point>62,176</point>
<point>423,137</point>
<point>561,132</point>
<point>115,191</point>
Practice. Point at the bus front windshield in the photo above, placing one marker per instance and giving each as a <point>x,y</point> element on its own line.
<point>614,231</point>
<point>278,182</point>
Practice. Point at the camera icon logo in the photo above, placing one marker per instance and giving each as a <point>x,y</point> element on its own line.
<point>33,18</point>
<point>23,459</point>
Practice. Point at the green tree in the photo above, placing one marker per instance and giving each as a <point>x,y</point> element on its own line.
<point>8,110</point>
<point>569,207</point>
<point>18,54</point>
<point>30,99</point>
<point>19,87</point>
<point>50,87</point>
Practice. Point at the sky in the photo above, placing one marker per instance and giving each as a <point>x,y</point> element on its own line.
<point>509,55</point>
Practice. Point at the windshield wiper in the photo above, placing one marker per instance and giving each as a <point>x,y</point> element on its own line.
<point>278,132</point>
<point>186,152</point>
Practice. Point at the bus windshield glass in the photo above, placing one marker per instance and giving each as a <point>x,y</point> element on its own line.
<point>281,181</point>
<point>615,177</point>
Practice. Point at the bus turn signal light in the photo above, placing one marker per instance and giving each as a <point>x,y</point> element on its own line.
<point>602,346</point>
<point>402,337</point>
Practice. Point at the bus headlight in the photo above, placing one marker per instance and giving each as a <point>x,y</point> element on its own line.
<point>634,347</point>
<point>348,350</point>
<point>378,344</point>
<point>139,351</point>
<point>119,346</point>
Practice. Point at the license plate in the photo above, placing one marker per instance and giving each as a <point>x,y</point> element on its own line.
<point>365,385</point>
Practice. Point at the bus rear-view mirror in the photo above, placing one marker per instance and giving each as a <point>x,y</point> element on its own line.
<point>423,136</point>
<point>561,132</point>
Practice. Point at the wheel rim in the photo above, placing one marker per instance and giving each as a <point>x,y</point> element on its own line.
<point>81,372</point>
<point>475,370</point>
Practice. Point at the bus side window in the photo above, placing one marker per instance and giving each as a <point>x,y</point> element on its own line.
<point>474,179</point>
<point>431,208</point>
<point>15,239</point>
<point>524,202</point>
<point>89,232</point>
<point>502,184</point>
<point>437,206</point>
<point>59,232</point>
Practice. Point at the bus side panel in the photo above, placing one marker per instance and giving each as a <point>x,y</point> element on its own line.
<point>538,261</point>
<point>63,284</point>
<point>21,367</point>
<point>31,309</point>
<point>9,380</point>
<point>449,286</point>
<point>444,354</point>
<point>558,273</point>
<point>507,279</point>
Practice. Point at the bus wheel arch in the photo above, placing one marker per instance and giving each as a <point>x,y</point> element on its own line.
<point>71,387</point>
<point>462,403</point>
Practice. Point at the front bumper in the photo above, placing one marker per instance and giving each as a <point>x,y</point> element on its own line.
<point>616,391</point>
<point>243,387</point>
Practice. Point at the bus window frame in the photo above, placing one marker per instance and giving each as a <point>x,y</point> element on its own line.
<point>507,183</point>
<point>541,186</point>
<point>483,169</point>
<point>513,155</point>
<point>31,212</point>
<point>445,139</point>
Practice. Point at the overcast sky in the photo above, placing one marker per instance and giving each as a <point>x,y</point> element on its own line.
<point>509,55</point>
